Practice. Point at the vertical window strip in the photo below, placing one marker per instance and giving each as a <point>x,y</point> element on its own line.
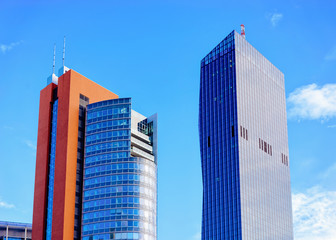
<point>259,143</point>
<point>51,175</point>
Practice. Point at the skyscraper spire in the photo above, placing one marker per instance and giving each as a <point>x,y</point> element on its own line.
<point>63,51</point>
<point>53,72</point>
<point>53,78</point>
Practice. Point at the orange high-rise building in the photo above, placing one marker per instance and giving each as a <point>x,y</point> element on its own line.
<point>71,92</point>
<point>96,164</point>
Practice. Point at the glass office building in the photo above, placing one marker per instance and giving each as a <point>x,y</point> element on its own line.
<point>119,196</point>
<point>96,165</point>
<point>244,145</point>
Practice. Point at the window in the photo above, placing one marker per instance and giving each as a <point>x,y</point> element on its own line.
<point>263,145</point>
<point>243,133</point>
<point>284,159</point>
<point>208,141</point>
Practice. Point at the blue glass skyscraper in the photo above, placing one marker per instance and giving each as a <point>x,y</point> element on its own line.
<point>119,193</point>
<point>244,145</point>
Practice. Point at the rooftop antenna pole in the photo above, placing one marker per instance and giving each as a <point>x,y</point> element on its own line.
<point>242,28</point>
<point>63,52</point>
<point>54,59</point>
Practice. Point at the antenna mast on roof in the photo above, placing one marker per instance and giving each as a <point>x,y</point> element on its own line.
<point>242,28</point>
<point>63,51</point>
<point>54,59</point>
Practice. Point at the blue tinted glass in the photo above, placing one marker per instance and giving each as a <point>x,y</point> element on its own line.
<point>113,204</point>
<point>219,144</point>
<point>51,169</point>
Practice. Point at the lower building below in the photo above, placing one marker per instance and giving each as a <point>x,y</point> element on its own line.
<point>15,231</point>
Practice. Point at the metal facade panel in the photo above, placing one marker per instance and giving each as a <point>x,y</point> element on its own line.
<point>264,177</point>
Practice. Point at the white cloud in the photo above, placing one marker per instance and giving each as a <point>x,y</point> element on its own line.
<point>330,172</point>
<point>327,178</point>
<point>7,47</point>
<point>331,55</point>
<point>314,214</point>
<point>332,126</point>
<point>30,144</point>
<point>197,236</point>
<point>313,102</point>
<point>6,205</point>
<point>275,18</point>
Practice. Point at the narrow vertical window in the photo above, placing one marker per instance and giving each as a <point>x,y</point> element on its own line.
<point>241,131</point>
<point>259,144</point>
<point>208,141</point>
<point>271,150</point>
<point>246,135</point>
<point>262,145</point>
<point>232,131</point>
<point>265,147</point>
<point>282,158</point>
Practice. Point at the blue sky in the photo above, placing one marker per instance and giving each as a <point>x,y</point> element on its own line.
<point>151,51</point>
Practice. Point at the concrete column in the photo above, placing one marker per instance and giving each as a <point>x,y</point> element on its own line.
<point>25,233</point>
<point>7,233</point>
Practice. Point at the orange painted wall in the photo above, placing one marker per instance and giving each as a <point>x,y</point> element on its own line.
<point>70,86</point>
<point>42,159</point>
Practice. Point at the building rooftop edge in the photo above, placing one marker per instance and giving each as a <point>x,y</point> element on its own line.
<point>214,48</point>
<point>234,32</point>
<point>16,224</point>
<point>74,71</point>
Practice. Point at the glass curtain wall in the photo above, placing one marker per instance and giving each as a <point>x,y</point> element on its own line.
<point>118,188</point>
<point>51,169</point>
<point>219,144</point>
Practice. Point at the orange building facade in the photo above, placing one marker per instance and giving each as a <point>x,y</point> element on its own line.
<point>71,89</point>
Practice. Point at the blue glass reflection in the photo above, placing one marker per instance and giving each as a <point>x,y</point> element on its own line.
<point>219,144</point>
<point>51,169</point>
<point>118,189</point>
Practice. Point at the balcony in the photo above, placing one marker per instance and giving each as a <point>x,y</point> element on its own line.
<point>136,152</point>
<point>140,135</point>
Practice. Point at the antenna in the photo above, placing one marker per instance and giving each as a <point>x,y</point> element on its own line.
<point>63,51</point>
<point>242,28</point>
<point>54,58</point>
